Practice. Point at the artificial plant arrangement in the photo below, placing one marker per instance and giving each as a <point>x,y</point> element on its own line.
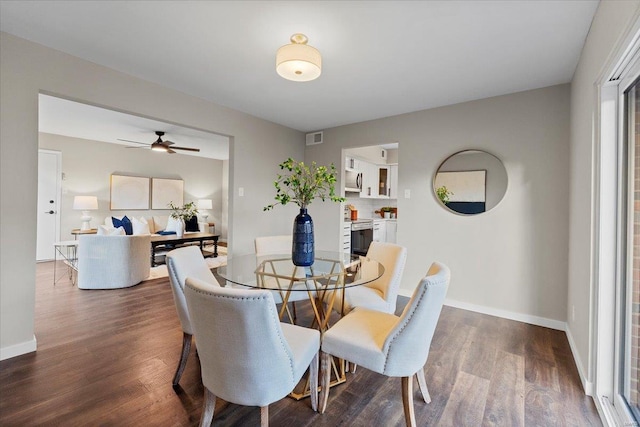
<point>301,184</point>
<point>185,212</point>
<point>444,194</point>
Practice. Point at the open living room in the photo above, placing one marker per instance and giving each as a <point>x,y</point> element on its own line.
<point>476,266</point>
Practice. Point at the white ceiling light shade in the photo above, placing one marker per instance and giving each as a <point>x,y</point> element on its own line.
<point>298,61</point>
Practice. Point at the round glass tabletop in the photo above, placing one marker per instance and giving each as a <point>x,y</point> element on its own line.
<point>330,270</point>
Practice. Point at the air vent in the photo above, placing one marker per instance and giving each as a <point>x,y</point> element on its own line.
<point>314,138</point>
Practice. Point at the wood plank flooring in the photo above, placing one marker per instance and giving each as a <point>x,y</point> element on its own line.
<point>107,358</point>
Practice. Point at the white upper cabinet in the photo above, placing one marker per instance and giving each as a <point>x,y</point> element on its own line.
<point>393,182</point>
<point>383,182</point>
<point>369,180</point>
<point>352,164</point>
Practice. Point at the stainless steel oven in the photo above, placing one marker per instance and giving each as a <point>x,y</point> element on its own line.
<point>361,236</point>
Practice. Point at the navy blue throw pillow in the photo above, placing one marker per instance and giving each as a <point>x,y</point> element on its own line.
<point>165,233</point>
<point>124,223</point>
<point>191,224</point>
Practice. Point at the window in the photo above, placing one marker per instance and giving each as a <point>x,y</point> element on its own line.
<point>617,335</point>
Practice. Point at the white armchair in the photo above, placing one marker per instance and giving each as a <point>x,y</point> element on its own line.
<point>111,262</point>
<point>246,355</point>
<point>388,344</point>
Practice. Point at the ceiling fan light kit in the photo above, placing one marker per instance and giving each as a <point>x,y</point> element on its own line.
<point>160,145</point>
<point>298,61</point>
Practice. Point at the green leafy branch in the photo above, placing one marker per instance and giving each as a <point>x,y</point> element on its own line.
<point>300,184</point>
<point>444,194</point>
<point>185,212</point>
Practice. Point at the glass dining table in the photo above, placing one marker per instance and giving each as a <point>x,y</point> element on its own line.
<point>324,282</point>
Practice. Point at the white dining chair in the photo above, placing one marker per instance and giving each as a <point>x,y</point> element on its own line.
<point>182,263</point>
<point>282,244</point>
<point>381,294</point>
<point>387,344</point>
<point>247,356</point>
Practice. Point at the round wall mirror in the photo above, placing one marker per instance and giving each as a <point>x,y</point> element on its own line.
<point>470,182</point>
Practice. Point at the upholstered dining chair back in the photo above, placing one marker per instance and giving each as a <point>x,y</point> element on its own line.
<point>388,344</point>
<point>282,244</point>
<point>182,263</point>
<point>268,245</point>
<point>393,257</point>
<point>245,357</point>
<point>407,345</point>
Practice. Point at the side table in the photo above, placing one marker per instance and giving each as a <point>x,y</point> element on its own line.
<point>76,232</point>
<point>67,250</point>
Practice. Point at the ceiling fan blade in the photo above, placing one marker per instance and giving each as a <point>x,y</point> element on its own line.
<point>186,149</point>
<point>135,142</point>
<point>170,151</point>
<point>138,147</point>
<point>167,142</point>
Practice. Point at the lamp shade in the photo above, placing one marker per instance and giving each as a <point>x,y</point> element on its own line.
<point>298,61</point>
<point>205,204</point>
<point>85,203</point>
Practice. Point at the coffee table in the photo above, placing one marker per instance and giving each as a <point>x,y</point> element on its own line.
<point>172,241</point>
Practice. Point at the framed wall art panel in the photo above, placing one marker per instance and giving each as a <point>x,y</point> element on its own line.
<point>129,192</point>
<point>165,191</point>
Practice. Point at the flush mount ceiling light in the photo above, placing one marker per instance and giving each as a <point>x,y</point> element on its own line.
<point>298,61</point>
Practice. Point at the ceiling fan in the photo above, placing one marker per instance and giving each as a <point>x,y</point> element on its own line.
<point>160,145</point>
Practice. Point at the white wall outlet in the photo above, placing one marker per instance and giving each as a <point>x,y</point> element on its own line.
<point>407,194</point>
<point>241,191</point>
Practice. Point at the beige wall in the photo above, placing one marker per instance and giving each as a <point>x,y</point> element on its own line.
<point>611,21</point>
<point>257,146</point>
<point>510,261</point>
<point>88,166</point>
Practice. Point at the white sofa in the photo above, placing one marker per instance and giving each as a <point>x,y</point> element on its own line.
<point>111,262</point>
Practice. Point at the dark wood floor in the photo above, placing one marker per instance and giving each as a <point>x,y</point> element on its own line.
<point>107,358</point>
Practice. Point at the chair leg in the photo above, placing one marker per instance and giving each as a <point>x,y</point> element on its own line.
<point>207,408</point>
<point>186,347</point>
<point>295,315</point>
<point>264,416</point>
<point>325,375</point>
<point>313,382</point>
<point>422,384</point>
<point>407,401</point>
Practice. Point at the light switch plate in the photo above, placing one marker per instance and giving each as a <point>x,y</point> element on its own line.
<point>407,194</point>
<point>241,191</point>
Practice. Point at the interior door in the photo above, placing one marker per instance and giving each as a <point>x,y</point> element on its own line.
<point>49,186</point>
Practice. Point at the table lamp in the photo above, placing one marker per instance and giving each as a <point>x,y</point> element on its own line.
<point>85,204</point>
<point>204,204</point>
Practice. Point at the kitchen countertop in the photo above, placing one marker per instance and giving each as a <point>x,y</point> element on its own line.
<point>370,219</point>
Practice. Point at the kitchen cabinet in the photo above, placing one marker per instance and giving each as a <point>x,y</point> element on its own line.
<point>392,229</point>
<point>346,237</point>
<point>379,230</point>
<point>383,182</point>
<point>352,164</point>
<point>393,182</point>
<point>369,180</point>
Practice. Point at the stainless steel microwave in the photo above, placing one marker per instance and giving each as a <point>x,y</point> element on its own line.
<point>352,181</point>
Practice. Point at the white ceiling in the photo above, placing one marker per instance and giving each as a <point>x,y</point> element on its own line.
<point>380,58</point>
<point>62,117</point>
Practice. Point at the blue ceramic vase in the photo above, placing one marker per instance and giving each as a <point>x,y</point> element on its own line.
<point>302,251</point>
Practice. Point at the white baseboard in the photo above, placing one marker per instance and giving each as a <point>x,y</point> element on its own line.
<point>520,317</point>
<point>586,384</point>
<point>18,349</point>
